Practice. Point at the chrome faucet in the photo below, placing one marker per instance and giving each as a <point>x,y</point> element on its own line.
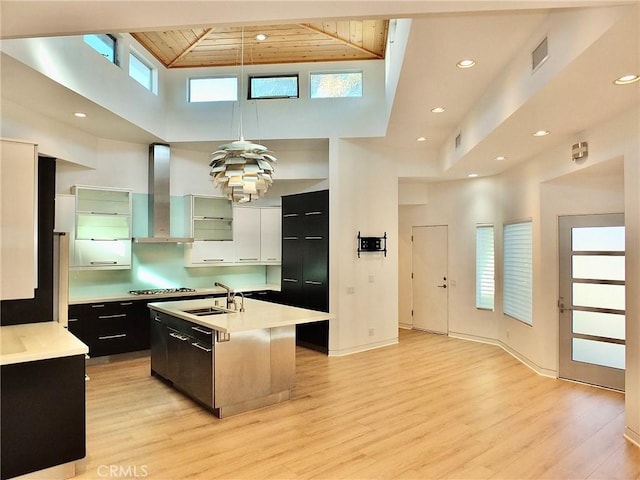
<point>228,289</point>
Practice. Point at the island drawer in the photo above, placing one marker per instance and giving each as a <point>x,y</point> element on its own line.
<point>203,335</point>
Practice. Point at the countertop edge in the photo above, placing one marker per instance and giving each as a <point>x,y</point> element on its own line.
<point>252,319</point>
<point>39,341</point>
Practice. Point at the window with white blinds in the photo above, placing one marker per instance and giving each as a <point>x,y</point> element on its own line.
<point>485,270</point>
<point>518,271</point>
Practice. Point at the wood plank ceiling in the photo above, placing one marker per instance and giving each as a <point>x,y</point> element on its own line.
<point>326,41</point>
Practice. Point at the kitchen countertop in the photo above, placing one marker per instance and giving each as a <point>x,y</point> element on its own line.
<point>257,315</point>
<point>37,341</point>
<point>198,291</point>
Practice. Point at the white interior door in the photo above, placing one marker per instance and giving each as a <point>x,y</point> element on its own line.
<point>592,299</point>
<point>429,285</point>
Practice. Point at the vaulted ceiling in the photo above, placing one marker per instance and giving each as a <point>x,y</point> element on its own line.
<point>323,41</point>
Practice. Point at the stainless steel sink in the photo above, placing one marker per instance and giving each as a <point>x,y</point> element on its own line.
<point>203,311</point>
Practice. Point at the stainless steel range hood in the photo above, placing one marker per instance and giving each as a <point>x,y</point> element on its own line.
<point>159,197</point>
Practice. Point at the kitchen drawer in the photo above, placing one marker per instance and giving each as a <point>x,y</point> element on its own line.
<point>111,327</point>
<point>201,334</point>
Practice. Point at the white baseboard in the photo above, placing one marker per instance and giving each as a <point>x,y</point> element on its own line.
<point>545,372</point>
<point>633,437</point>
<point>363,348</point>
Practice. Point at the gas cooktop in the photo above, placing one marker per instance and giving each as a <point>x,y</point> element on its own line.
<point>158,291</point>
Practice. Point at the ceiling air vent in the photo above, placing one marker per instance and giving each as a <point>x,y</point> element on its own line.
<point>458,140</point>
<point>539,54</point>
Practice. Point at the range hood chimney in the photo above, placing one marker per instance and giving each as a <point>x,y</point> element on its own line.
<point>160,197</point>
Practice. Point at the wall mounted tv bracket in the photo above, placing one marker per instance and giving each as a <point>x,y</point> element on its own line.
<point>372,244</point>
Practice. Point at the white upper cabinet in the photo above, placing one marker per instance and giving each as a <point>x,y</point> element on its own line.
<point>65,213</point>
<point>209,221</point>
<point>18,192</point>
<point>209,218</point>
<point>270,235</point>
<point>246,234</point>
<point>102,230</point>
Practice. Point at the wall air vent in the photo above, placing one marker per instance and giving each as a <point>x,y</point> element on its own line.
<point>539,54</point>
<point>458,140</point>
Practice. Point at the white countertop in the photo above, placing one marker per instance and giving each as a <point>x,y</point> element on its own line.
<point>257,315</point>
<point>37,341</point>
<point>126,296</point>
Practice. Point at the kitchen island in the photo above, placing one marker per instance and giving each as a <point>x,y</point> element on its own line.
<point>229,361</point>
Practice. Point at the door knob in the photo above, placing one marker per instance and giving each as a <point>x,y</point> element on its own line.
<point>442,286</point>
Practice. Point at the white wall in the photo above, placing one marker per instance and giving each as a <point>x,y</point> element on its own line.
<point>75,65</point>
<point>302,117</point>
<point>631,151</point>
<point>53,138</point>
<point>461,205</point>
<point>167,114</point>
<point>363,197</point>
<point>540,189</point>
<point>569,33</point>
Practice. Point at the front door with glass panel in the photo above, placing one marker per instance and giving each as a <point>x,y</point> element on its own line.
<point>592,299</point>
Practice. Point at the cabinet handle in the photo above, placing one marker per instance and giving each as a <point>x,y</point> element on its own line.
<point>248,259</point>
<point>290,238</point>
<point>287,215</point>
<point>103,239</point>
<point>97,305</point>
<point>313,238</point>
<point>271,259</point>
<point>124,304</point>
<point>197,345</point>
<point>198,329</point>
<point>213,259</point>
<point>110,337</point>
<point>290,280</point>
<point>105,213</point>
<point>313,213</point>
<point>179,337</point>
<point>118,315</point>
<point>69,320</point>
<point>104,263</point>
<point>157,319</point>
<point>311,282</point>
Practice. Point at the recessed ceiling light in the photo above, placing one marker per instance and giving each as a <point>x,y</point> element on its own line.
<point>500,158</point>
<point>437,110</point>
<point>472,175</point>
<point>627,79</point>
<point>541,133</point>
<point>421,139</point>
<point>466,63</point>
<point>261,37</point>
<point>80,114</point>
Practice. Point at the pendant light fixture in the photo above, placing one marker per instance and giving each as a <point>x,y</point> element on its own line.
<point>242,170</point>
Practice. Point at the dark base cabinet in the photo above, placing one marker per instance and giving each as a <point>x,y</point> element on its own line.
<point>108,328</point>
<point>182,354</point>
<point>305,262</point>
<point>43,414</point>
<point>313,335</point>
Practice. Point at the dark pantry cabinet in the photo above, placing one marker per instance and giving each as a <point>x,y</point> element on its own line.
<point>305,262</point>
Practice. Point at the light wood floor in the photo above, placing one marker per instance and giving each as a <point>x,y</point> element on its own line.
<point>429,407</point>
